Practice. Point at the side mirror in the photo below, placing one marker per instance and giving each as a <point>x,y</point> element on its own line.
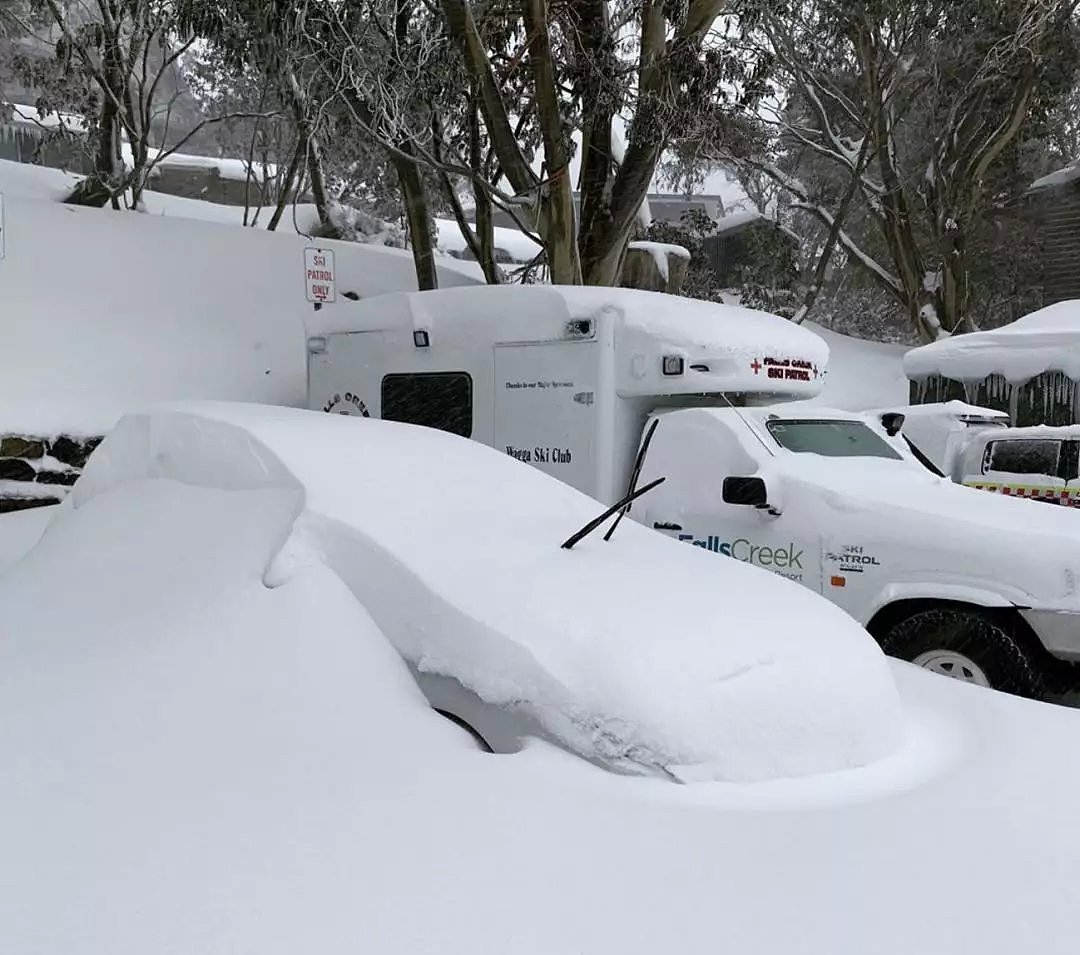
<point>749,491</point>
<point>892,422</point>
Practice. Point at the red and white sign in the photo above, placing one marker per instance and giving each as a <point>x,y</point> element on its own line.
<point>319,275</point>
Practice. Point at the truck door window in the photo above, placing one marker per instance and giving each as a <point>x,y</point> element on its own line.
<point>832,438</point>
<point>440,400</point>
<point>1023,457</point>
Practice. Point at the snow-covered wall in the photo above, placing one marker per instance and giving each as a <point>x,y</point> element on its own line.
<point>103,310</point>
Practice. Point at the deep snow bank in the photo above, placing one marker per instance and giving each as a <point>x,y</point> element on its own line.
<point>862,374</point>
<point>640,652</point>
<point>105,310</point>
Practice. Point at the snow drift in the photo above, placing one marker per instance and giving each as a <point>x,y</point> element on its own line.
<point>642,653</point>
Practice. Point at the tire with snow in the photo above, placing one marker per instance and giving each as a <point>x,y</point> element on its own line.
<point>968,645</point>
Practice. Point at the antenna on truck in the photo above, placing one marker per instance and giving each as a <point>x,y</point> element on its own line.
<point>746,424</point>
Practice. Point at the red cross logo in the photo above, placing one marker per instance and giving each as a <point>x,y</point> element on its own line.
<point>756,365</point>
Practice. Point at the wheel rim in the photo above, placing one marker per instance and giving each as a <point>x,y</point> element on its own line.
<point>952,664</point>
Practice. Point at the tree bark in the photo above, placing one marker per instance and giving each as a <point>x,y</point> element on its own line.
<point>833,235</point>
<point>287,186</point>
<point>485,221</point>
<point>463,29</point>
<point>557,198</point>
<point>318,184</point>
<point>313,158</point>
<point>418,216</point>
<point>593,42</point>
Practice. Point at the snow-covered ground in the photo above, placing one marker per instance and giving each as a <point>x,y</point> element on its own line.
<point>862,374</point>
<point>20,531</point>
<point>191,760</point>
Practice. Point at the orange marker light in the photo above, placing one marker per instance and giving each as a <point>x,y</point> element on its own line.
<point>838,581</point>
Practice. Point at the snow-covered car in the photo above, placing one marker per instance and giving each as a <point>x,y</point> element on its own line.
<point>634,652</point>
<point>208,745</point>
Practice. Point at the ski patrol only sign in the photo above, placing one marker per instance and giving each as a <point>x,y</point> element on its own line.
<point>319,275</point>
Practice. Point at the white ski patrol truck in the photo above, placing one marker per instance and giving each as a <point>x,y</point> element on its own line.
<point>569,379</point>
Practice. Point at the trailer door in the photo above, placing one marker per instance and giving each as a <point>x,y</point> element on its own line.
<point>546,408</point>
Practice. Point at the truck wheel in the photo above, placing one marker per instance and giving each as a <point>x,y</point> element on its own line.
<point>970,646</point>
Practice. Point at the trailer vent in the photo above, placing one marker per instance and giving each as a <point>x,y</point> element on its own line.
<point>579,328</point>
<point>420,338</point>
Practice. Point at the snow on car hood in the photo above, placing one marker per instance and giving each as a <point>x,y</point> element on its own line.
<point>985,531</point>
<point>639,652</point>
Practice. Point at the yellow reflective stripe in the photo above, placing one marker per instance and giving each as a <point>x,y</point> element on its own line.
<point>1023,488</point>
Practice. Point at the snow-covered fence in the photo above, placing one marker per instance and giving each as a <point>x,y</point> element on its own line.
<point>35,470</point>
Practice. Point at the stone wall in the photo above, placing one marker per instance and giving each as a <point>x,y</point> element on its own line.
<point>36,471</point>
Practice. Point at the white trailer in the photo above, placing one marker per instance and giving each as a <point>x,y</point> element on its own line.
<point>561,378</point>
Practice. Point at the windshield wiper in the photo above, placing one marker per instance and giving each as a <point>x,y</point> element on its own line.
<point>634,475</point>
<point>597,521</point>
<point>922,458</point>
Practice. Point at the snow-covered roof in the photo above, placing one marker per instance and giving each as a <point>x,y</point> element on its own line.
<point>228,168</point>
<point>513,242</point>
<point>726,348</point>
<point>1069,432</point>
<point>1059,177</point>
<point>739,220</point>
<point>22,115</point>
<point>1045,340</point>
<point>954,408</point>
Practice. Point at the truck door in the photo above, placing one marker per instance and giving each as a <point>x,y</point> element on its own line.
<point>695,453</point>
<point>547,406</point>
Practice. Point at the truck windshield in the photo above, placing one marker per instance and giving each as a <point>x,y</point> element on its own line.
<point>832,438</point>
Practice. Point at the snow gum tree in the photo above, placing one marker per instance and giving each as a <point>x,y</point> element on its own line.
<point>913,106</point>
<point>544,69</point>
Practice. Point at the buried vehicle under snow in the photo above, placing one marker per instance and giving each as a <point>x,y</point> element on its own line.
<point>585,383</point>
<point>634,651</point>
